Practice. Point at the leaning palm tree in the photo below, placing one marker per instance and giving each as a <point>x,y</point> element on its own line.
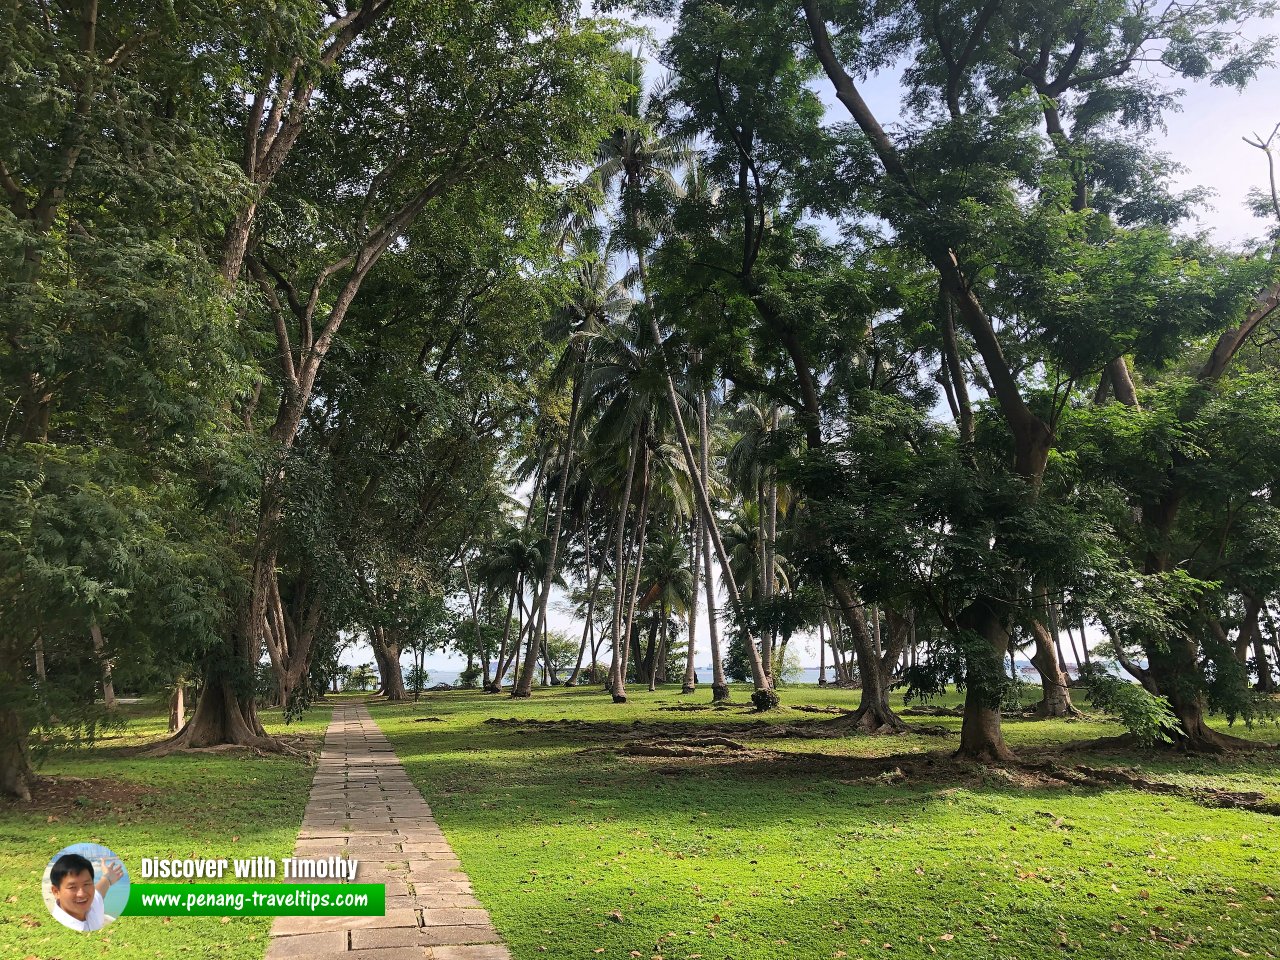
<point>640,162</point>
<point>595,301</point>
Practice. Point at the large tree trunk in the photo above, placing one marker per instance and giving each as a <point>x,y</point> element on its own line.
<point>874,715</point>
<point>386,652</point>
<point>1056,696</point>
<point>1055,699</point>
<point>225,713</point>
<point>891,655</point>
<point>1266,682</point>
<point>981,737</point>
<point>1174,672</point>
<point>290,632</point>
<point>17,776</point>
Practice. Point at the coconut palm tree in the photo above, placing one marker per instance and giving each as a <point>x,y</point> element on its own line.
<point>510,563</point>
<point>667,583</point>
<point>596,300</point>
<point>642,165</point>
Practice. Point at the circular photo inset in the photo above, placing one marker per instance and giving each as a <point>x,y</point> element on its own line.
<point>85,886</point>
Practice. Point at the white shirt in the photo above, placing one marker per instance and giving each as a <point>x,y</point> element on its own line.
<point>95,919</point>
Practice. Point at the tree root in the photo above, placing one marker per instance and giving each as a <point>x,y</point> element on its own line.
<point>687,747</point>
<point>1080,775</point>
<point>1072,712</point>
<point>865,720</point>
<point>258,746</point>
<point>931,712</point>
<point>765,700</point>
<point>810,708</point>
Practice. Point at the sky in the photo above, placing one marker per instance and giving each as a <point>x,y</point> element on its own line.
<point>1205,137</point>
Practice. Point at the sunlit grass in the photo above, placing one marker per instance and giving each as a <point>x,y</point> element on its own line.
<point>183,805</point>
<point>748,859</point>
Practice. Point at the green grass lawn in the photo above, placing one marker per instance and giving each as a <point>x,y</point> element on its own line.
<point>580,851</point>
<point>184,805</point>
<point>794,848</point>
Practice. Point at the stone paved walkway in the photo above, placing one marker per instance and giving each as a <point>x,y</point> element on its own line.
<point>364,806</point>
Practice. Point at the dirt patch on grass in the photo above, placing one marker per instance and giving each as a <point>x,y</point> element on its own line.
<point>602,730</point>
<point>1207,796</point>
<point>688,708</point>
<point>648,730</point>
<point>684,747</point>
<point>702,754</point>
<point>61,796</point>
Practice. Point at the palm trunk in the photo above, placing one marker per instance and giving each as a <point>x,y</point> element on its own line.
<point>764,697</point>
<point>771,551</point>
<point>719,686</point>
<point>690,683</point>
<point>642,524</point>
<point>500,668</point>
<point>524,688</point>
<point>658,656</point>
<point>762,588</point>
<point>475,622</point>
<point>587,629</point>
<point>617,688</point>
<point>822,655</point>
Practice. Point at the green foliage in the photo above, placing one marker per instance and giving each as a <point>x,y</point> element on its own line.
<point>362,677</point>
<point>416,680</point>
<point>561,651</point>
<point>1149,719</point>
<point>737,667</point>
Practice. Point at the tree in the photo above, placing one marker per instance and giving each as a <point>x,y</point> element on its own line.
<point>120,356</point>
<point>505,104</point>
